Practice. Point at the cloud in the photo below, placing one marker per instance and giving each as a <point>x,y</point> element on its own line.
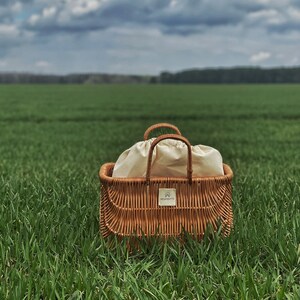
<point>170,16</point>
<point>279,17</point>
<point>146,36</point>
<point>181,17</point>
<point>3,63</point>
<point>42,64</point>
<point>267,16</point>
<point>11,35</point>
<point>8,30</point>
<point>260,57</point>
<point>48,13</point>
<point>16,7</point>
<point>85,7</point>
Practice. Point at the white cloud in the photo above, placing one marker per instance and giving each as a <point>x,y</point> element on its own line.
<point>134,50</point>
<point>260,57</point>
<point>3,63</point>
<point>64,12</point>
<point>16,7</point>
<point>43,64</point>
<point>12,36</point>
<point>269,16</point>
<point>146,36</point>
<point>295,60</point>
<point>274,2</point>
<point>49,12</point>
<point>34,19</point>
<point>81,7</point>
<point>8,30</point>
<point>173,3</point>
<point>294,14</point>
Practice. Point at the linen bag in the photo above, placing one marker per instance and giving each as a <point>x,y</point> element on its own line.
<point>169,158</point>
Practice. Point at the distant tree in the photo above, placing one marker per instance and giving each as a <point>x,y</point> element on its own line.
<point>210,75</point>
<point>233,75</point>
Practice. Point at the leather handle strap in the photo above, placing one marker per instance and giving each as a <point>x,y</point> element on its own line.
<point>173,137</point>
<point>160,125</point>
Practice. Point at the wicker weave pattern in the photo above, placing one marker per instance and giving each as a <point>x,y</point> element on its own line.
<point>129,207</point>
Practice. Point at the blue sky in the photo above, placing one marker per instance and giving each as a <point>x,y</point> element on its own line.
<point>146,36</point>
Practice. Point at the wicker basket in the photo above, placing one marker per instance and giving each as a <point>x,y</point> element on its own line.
<point>132,206</point>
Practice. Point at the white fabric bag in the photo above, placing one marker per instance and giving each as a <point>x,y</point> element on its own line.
<point>169,160</point>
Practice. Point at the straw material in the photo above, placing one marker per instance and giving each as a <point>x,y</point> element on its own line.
<point>130,206</point>
<point>160,125</point>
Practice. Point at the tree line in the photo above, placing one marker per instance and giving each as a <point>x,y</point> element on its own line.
<point>233,75</point>
<point>210,75</point>
<point>28,78</point>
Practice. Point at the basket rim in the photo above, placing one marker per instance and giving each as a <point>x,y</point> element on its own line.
<point>103,175</point>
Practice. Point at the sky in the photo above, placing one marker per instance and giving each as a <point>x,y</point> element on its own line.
<point>146,36</point>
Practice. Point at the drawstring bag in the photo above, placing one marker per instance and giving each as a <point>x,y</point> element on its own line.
<point>174,201</point>
<point>169,158</point>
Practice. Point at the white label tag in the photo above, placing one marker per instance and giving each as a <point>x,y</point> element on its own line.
<point>167,197</point>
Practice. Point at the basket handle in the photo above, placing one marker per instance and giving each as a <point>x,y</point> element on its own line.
<point>160,125</point>
<point>173,137</point>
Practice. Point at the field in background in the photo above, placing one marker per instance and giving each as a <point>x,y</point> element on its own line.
<point>53,140</point>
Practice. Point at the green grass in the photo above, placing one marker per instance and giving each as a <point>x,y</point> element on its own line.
<point>53,140</point>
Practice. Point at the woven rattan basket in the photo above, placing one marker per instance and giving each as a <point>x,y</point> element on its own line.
<point>130,207</point>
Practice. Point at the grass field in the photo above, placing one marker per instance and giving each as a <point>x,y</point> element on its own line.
<point>53,140</point>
